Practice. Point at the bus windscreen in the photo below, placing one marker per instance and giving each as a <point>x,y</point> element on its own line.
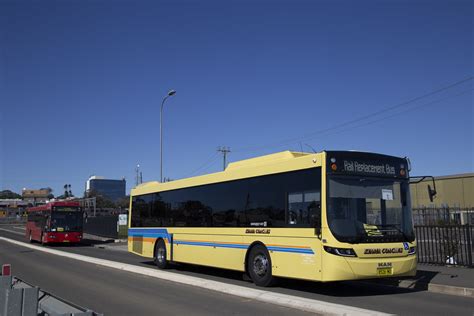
<point>369,210</point>
<point>66,221</point>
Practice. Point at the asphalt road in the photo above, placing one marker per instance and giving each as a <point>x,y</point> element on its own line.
<point>115,292</point>
<point>119,293</point>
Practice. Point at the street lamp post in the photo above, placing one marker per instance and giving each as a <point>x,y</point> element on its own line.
<point>170,93</point>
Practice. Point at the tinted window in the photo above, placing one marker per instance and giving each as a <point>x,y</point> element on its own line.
<point>304,208</point>
<point>259,201</point>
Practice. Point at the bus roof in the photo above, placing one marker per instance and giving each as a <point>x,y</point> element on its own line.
<point>50,205</point>
<point>263,165</point>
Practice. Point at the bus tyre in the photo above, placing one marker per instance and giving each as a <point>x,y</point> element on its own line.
<point>160,255</point>
<point>259,266</point>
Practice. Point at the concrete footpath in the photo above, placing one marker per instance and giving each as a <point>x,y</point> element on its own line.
<point>450,280</point>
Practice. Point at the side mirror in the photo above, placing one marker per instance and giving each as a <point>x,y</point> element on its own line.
<point>431,193</point>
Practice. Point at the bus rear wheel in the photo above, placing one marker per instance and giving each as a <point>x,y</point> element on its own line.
<point>259,266</point>
<point>160,255</point>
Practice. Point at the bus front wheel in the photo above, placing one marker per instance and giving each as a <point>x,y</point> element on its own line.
<point>160,255</point>
<point>259,266</point>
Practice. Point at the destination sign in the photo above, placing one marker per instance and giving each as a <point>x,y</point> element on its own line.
<point>66,209</point>
<point>358,163</point>
<point>362,167</point>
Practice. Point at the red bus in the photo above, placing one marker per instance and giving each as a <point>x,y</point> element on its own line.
<point>55,222</point>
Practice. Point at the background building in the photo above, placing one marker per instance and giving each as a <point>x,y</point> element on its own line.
<point>455,191</point>
<point>36,196</point>
<point>109,188</point>
<point>454,200</point>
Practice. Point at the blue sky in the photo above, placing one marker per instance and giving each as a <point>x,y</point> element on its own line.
<point>81,84</point>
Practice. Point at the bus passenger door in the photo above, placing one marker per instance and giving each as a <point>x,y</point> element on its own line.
<point>304,214</point>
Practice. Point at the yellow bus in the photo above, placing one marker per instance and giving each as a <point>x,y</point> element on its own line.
<point>328,216</point>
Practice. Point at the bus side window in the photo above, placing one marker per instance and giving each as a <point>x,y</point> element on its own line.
<point>304,208</point>
<point>295,201</point>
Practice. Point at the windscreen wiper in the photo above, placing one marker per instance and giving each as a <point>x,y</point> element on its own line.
<point>357,239</point>
<point>398,229</point>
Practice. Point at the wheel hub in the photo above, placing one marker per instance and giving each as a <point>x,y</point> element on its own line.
<point>160,256</point>
<point>260,265</point>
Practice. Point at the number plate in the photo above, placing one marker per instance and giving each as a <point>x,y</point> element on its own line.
<point>65,240</point>
<point>384,271</point>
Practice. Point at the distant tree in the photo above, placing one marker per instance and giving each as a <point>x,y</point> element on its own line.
<point>50,195</point>
<point>7,194</point>
<point>101,200</point>
<point>124,202</point>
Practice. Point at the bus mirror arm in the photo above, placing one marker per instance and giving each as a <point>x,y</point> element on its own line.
<point>431,192</point>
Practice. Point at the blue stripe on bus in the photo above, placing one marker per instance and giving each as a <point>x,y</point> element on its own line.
<point>154,232</point>
<point>296,250</point>
<point>210,244</point>
<point>163,233</point>
<point>243,246</point>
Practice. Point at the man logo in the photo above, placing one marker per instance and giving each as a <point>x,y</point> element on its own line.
<point>406,246</point>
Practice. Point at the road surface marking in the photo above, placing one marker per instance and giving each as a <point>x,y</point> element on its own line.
<point>305,304</point>
<point>12,231</point>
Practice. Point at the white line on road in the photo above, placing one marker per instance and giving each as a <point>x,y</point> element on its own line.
<point>12,231</point>
<point>285,300</point>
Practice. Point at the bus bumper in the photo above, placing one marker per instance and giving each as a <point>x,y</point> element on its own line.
<point>53,237</point>
<point>337,268</point>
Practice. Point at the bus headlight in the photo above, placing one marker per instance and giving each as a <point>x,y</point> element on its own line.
<point>344,252</point>
<point>412,250</point>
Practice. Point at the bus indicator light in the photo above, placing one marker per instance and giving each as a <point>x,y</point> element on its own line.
<point>333,167</point>
<point>402,172</point>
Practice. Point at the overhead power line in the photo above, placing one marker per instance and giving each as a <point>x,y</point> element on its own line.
<point>212,159</point>
<point>358,119</point>
<point>209,162</point>
<point>401,112</point>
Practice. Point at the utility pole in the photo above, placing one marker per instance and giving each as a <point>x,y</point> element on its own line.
<point>224,150</point>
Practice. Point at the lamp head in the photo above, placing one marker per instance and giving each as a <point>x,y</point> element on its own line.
<point>171,92</point>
